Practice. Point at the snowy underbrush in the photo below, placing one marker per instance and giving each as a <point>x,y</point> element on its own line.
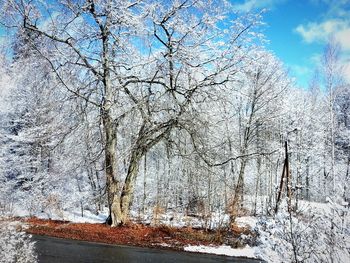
<point>315,233</point>
<point>52,207</point>
<point>213,221</point>
<point>16,246</point>
<point>71,215</point>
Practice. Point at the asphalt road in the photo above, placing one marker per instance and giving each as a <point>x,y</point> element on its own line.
<point>56,250</point>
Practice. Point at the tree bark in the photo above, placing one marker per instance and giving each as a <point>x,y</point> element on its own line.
<point>128,189</point>
<point>112,184</point>
<point>238,196</point>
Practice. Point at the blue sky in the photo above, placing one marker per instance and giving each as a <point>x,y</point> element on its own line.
<point>299,29</point>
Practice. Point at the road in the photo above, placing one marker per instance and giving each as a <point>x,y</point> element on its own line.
<point>56,250</point>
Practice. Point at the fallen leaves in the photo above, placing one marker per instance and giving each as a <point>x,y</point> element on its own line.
<point>131,234</point>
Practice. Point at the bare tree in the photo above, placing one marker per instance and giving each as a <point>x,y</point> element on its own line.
<point>137,63</point>
<point>332,78</point>
<point>260,103</point>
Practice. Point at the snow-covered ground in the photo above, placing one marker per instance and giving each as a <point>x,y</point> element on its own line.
<point>87,218</point>
<point>247,251</point>
<point>72,216</point>
<point>307,235</point>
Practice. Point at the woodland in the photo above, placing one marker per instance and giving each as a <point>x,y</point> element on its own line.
<point>165,111</point>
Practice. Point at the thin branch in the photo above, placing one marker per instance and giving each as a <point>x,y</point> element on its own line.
<point>76,93</point>
<point>67,42</point>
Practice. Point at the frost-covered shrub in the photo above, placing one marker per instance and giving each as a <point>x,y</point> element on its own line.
<point>317,233</point>
<point>16,246</point>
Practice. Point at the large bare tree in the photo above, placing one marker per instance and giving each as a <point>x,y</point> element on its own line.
<point>144,66</point>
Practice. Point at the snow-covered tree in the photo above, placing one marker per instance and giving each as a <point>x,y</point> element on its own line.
<point>144,64</point>
<point>16,245</point>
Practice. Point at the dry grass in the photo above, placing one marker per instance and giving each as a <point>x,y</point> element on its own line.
<point>134,234</point>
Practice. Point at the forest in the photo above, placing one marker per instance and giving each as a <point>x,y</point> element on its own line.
<point>171,112</point>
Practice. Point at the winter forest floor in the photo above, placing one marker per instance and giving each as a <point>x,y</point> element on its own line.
<point>269,238</point>
<point>138,234</point>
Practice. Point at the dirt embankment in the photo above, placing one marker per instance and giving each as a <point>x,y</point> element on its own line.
<point>136,234</point>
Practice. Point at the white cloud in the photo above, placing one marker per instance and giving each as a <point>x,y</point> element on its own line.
<point>313,32</point>
<point>346,71</point>
<point>316,59</point>
<point>249,5</point>
<point>300,70</point>
<point>343,37</point>
<point>300,74</point>
<point>320,32</point>
<point>337,8</point>
<point>335,23</point>
<point>345,66</point>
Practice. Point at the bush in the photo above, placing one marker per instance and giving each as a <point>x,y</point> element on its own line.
<point>16,245</point>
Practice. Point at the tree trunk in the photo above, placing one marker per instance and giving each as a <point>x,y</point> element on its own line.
<point>307,179</point>
<point>112,184</point>
<point>128,189</point>
<point>238,197</point>
<point>258,179</point>
<point>144,186</point>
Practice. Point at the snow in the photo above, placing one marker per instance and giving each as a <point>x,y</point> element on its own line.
<point>179,220</point>
<point>309,230</point>
<point>273,242</point>
<point>15,244</point>
<point>164,245</point>
<point>88,217</point>
<point>247,221</point>
<point>247,251</point>
<point>73,216</point>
